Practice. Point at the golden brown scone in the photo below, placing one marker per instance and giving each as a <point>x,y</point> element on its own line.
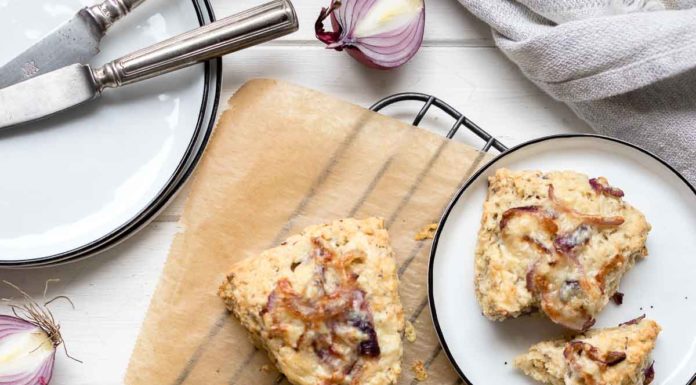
<point>556,242</point>
<point>324,304</point>
<point>614,356</point>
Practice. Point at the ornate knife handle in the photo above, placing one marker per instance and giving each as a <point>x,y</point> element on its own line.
<point>108,12</point>
<point>254,26</point>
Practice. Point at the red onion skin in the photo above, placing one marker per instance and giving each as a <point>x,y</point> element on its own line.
<point>324,36</point>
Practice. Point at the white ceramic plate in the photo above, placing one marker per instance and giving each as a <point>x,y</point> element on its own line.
<point>78,183</point>
<point>662,286</point>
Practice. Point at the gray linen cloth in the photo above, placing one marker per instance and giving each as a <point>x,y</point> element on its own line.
<point>627,67</point>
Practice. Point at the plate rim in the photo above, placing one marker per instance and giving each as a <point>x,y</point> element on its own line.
<point>205,124</point>
<point>467,184</point>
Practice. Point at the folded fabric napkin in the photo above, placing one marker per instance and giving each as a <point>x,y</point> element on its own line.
<point>627,67</point>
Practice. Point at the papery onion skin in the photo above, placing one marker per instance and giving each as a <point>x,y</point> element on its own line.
<point>395,49</point>
<point>43,372</point>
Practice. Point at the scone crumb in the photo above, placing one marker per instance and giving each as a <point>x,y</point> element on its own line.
<point>265,368</point>
<point>410,332</point>
<point>419,370</point>
<point>427,232</point>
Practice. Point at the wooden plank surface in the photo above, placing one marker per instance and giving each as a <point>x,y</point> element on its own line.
<point>458,63</point>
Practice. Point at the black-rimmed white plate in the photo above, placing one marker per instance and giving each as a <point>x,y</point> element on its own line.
<point>662,286</point>
<point>82,181</point>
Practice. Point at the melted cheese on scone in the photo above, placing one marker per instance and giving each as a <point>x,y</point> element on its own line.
<point>556,242</point>
<point>324,304</point>
<point>613,356</point>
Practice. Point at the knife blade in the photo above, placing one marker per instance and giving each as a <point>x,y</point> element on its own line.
<point>75,41</point>
<point>75,84</point>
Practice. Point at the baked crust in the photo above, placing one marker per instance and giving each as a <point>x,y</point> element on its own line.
<point>324,304</point>
<point>613,356</point>
<point>556,242</point>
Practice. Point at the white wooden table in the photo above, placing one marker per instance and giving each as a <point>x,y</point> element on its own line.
<point>458,62</point>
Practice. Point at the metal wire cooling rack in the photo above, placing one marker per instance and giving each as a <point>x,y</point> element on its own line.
<point>430,101</point>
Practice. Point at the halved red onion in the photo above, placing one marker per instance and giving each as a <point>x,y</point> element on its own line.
<point>28,342</point>
<point>381,34</point>
<point>27,353</point>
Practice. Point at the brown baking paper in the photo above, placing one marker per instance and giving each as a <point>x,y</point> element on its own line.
<point>282,158</point>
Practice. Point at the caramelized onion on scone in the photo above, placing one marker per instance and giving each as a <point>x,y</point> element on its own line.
<point>324,304</point>
<point>556,242</point>
<point>613,356</point>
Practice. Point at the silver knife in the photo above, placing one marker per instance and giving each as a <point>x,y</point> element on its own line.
<point>75,84</point>
<point>75,41</point>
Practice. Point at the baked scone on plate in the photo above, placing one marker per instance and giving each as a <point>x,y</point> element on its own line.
<point>558,242</point>
<point>613,356</point>
<point>324,304</point>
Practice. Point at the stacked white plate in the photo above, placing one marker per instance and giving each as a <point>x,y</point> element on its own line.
<point>80,182</point>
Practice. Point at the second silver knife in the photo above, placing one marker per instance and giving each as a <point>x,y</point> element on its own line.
<point>75,84</point>
<point>75,41</point>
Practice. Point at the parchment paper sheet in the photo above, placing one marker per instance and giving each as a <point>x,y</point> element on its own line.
<point>284,157</point>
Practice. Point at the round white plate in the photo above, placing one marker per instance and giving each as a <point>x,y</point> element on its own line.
<point>79,182</point>
<point>662,286</point>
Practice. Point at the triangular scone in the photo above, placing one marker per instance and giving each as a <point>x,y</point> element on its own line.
<point>324,304</point>
<point>614,356</point>
<point>556,242</point>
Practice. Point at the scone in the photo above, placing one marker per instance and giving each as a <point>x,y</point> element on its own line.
<point>556,242</point>
<point>324,304</point>
<point>614,356</point>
